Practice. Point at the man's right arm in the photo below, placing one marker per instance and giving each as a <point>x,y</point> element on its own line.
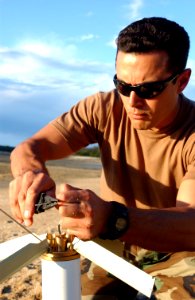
<point>30,173</point>
<point>46,144</point>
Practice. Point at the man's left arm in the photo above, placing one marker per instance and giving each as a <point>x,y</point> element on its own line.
<point>161,229</point>
<point>186,193</point>
<point>167,229</point>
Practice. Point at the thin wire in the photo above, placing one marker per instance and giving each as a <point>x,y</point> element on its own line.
<point>26,229</point>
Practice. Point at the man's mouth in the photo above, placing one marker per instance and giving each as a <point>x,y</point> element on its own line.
<point>139,116</point>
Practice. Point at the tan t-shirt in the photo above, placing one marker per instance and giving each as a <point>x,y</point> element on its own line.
<point>141,168</point>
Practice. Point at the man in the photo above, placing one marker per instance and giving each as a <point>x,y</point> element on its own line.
<point>146,131</point>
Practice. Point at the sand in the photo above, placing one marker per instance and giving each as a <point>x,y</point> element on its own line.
<point>81,172</point>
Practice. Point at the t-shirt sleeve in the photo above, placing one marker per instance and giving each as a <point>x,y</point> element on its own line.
<point>83,124</point>
<point>189,160</point>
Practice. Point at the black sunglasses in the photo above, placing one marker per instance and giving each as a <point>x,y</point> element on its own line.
<point>146,90</point>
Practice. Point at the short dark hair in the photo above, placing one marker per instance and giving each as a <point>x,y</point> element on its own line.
<point>156,34</point>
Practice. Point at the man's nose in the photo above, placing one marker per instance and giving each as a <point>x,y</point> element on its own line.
<point>134,100</point>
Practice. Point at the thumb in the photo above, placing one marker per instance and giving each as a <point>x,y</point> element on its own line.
<point>64,187</point>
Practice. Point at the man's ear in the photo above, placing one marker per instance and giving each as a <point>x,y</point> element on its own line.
<point>183,80</point>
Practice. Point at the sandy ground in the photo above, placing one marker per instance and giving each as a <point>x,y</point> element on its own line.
<point>77,171</point>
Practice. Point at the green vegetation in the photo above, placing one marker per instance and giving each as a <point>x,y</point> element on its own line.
<point>6,149</point>
<point>89,151</point>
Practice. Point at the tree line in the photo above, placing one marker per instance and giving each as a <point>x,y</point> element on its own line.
<point>88,151</point>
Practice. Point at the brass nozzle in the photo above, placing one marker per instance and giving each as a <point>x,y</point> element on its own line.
<point>60,245</point>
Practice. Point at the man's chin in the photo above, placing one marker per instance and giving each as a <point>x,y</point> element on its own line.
<point>141,125</point>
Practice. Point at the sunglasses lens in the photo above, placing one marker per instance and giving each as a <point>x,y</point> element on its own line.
<point>150,90</point>
<point>145,90</point>
<point>122,88</point>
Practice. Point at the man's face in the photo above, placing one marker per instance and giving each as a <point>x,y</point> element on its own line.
<point>136,68</point>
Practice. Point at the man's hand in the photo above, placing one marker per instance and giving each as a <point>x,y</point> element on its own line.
<point>24,191</point>
<point>82,212</point>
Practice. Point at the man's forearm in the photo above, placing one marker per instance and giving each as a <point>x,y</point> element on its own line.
<point>27,156</point>
<point>165,230</point>
<point>46,144</point>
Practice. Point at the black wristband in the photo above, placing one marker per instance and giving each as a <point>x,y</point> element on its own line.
<point>118,222</point>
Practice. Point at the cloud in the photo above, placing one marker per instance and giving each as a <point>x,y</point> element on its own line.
<point>89,37</point>
<point>40,80</point>
<point>40,64</point>
<point>133,9</point>
<point>89,14</point>
<point>83,38</point>
<point>191,65</point>
<point>112,43</point>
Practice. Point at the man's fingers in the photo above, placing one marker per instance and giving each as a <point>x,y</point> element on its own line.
<point>64,188</point>
<point>74,210</point>
<point>71,194</point>
<point>24,191</point>
<point>82,228</point>
<point>13,199</point>
<point>27,180</point>
<point>40,183</point>
<point>82,212</point>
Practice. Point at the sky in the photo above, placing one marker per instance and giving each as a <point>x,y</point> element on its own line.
<point>54,53</point>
